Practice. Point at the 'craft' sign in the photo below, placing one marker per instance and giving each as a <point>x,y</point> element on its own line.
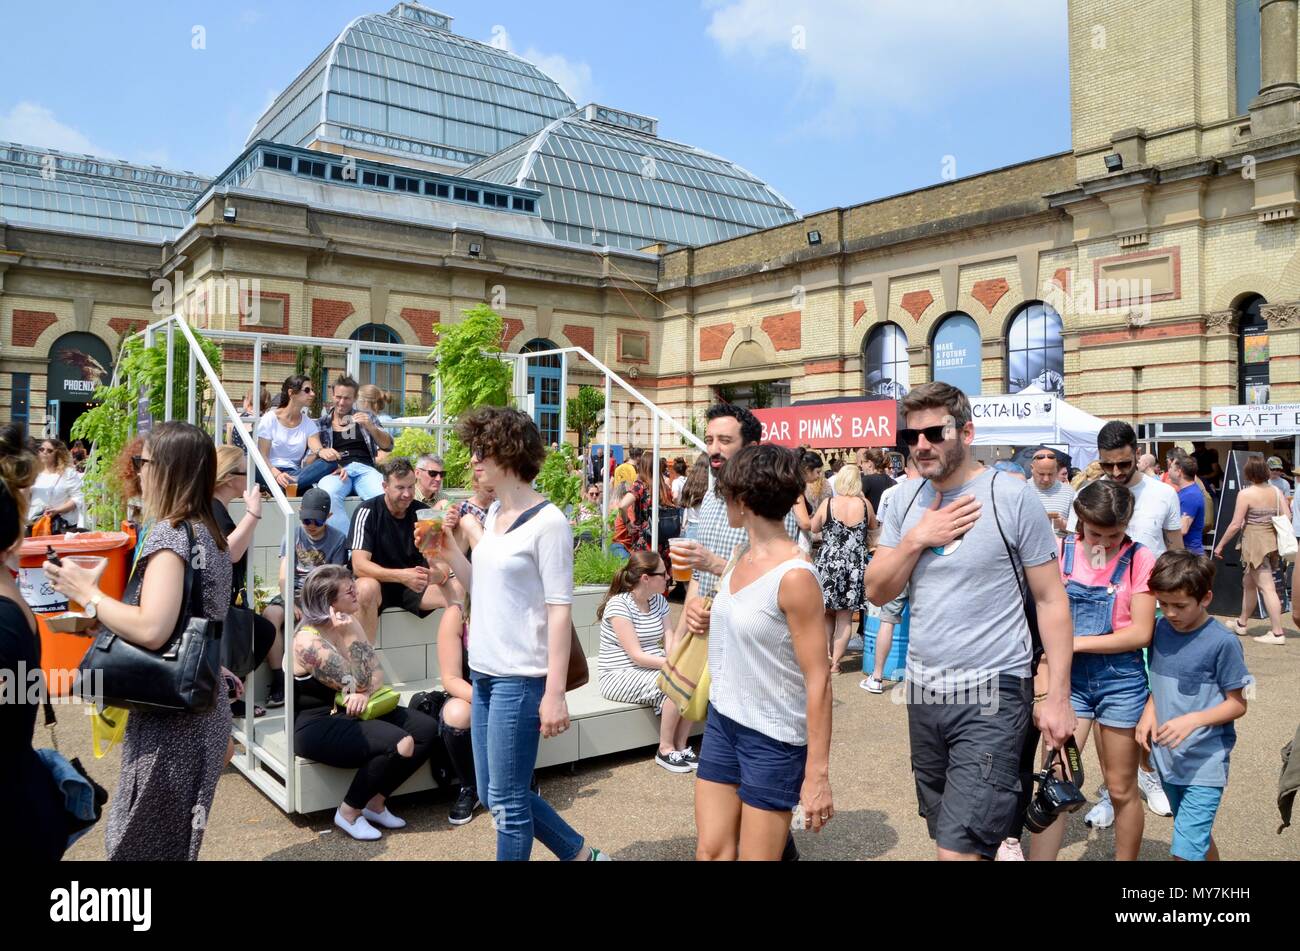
<point>834,425</point>
<point>1250,422</point>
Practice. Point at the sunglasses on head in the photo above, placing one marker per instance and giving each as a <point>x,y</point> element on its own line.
<point>933,435</point>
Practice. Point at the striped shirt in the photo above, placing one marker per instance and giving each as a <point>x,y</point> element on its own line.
<point>1059,499</point>
<point>649,627</point>
<point>714,532</point>
<point>755,677</point>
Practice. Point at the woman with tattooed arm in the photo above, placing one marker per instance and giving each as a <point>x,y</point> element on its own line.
<point>330,655</point>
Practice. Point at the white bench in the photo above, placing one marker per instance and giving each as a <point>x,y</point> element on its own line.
<point>407,649</point>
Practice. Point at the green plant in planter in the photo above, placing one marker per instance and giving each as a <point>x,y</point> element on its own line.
<point>471,375</point>
<point>414,443</point>
<point>592,565</point>
<point>560,479</point>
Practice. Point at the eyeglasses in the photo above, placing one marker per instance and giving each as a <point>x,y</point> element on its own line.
<point>933,435</point>
<point>313,522</point>
<point>44,449</point>
<point>139,462</point>
<point>661,574</point>
<point>1118,466</point>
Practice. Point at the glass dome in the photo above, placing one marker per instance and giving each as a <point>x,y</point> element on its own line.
<point>402,84</point>
<point>608,179</point>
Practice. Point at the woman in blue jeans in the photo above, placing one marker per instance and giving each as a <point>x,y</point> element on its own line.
<point>1106,577</point>
<point>521,586</point>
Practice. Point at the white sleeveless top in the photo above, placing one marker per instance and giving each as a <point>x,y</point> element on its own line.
<point>755,678</point>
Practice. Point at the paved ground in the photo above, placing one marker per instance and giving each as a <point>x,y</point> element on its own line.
<point>627,805</point>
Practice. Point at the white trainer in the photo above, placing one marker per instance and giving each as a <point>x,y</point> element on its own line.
<point>1010,851</point>
<point>1150,789</point>
<point>360,829</point>
<point>385,819</point>
<point>1102,815</point>
<point>871,685</point>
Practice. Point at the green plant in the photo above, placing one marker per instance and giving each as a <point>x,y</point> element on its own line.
<point>584,414</point>
<point>592,565</point>
<point>471,375</point>
<point>314,371</point>
<point>112,423</point>
<point>560,479</point>
<point>414,407</point>
<point>414,443</point>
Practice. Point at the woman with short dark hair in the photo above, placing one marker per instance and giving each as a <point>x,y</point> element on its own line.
<point>170,761</point>
<point>521,588</point>
<point>766,745</point>
<point>1257,503</point>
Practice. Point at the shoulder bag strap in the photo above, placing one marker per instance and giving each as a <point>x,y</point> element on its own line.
<point>192,600</point>
<point>1016,567</point>
<point>527,516</point>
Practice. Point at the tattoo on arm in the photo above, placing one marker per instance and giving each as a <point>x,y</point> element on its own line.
<point>326,664</point>
<point>364,662</point>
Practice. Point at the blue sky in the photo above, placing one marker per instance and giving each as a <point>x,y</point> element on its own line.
<point>833,102</point>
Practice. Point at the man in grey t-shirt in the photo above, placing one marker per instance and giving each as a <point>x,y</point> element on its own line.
<point>970,655</point>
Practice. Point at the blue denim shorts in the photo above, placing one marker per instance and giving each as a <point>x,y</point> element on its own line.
<point>1194,810</point>
<point>1109,688</point>
<point>768,772</point>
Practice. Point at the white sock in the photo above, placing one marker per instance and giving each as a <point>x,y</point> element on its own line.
<point>359,829</point>
<point>385,818</point>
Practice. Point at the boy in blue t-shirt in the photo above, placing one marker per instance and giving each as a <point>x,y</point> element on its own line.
<point>1198,673</point>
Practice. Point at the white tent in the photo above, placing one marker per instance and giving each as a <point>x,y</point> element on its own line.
<point>1032,417</point>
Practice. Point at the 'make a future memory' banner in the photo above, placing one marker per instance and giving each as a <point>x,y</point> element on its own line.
<point>832,425</point>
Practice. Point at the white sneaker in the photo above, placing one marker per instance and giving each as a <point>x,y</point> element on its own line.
<point>1102,815</point>
<point>1269,638</point>
<point>385,818</point>
<point>1010,851</point>
<point>871,685</point>
<point>1150,789</point>
<point>360,829</point>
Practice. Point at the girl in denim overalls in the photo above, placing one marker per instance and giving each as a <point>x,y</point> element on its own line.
<point>1113,611</point>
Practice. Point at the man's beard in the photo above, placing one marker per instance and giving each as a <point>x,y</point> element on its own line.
<point>950,460</point>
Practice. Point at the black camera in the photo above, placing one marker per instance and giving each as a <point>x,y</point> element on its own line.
<point>1056,795</point>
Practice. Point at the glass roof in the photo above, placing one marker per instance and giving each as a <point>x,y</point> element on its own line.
<point>92,195</point>
<point>605,183</point>
<point>403,83</point>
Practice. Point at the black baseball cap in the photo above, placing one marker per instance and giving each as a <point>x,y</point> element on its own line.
<point>315,504</point>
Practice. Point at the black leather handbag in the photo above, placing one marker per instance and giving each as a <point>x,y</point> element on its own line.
<point>238,654</point>
<point>181,677</point>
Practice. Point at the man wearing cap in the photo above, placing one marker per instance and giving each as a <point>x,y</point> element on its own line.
<point>1277,477</point>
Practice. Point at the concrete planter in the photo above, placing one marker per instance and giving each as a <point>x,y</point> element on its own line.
<point>586,598</point>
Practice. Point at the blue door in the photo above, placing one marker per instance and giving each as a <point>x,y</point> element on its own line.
<point>384,368</point>
<point>545,386</point>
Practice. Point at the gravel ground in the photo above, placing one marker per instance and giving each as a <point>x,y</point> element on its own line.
<point>633,809</point>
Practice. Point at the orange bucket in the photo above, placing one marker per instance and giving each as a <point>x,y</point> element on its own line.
<point>62,653</point>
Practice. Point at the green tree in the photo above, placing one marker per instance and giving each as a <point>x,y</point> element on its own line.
<point>472,375</point>
<point>584,414</point>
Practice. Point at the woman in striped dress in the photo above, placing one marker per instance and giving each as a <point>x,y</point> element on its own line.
<point>633,622</point>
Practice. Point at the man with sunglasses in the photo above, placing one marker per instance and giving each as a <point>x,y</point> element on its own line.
<point>1157,520</point>
<point>429,475</point>
<point>963,538</point>
<point>1057,497</point>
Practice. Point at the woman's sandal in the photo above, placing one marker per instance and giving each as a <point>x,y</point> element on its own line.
<point>237,710</point>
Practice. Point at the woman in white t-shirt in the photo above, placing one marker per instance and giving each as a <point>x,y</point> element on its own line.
<point>521,586</point>
<point>286,434</point>
<point>57,490</point>
<point>635,640</point>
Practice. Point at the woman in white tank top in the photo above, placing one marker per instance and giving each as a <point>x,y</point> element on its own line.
<point>766,746</point>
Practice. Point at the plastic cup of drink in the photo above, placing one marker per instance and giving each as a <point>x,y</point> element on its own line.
<point>95,563</point>
<point>430,523</point>
<point>676,549</point>
<point>291,490</point>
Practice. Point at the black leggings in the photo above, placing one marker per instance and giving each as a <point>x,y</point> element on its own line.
<point>368,746</point>
<point>460,750</point>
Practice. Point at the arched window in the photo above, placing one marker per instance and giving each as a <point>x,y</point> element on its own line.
<point>1035,350</point>
<point>545,386</point>
<point>955,353</point>
<point>1252,350</point>
<point>384,368</point>
<point>1247,37</point>
<point>884,362</point>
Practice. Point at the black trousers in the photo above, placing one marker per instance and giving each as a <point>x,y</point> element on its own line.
<point>368,746</point>
<point>460,750</point>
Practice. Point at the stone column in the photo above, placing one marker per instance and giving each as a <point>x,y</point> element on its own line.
<point>1274,108</point>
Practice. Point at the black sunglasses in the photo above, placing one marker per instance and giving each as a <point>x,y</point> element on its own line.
<point>933,435</point>
<point>1126,464</point>
<point>139,462</point>
<point>662,574</point>
<point>438,473</point>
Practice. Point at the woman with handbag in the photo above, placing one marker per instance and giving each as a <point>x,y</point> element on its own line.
<point>384,742</point>
<point>767,739</point>
<point>242,621</point>
<point>1257,504</point>
<point>170,761</point>
<point>57,490</point>
<point>521,632</point>
<point>32,825</point>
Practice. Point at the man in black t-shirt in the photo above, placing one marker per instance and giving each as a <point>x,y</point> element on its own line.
<point>391,571</point>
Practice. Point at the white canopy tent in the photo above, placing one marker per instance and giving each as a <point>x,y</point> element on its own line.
<point>1033,417</point>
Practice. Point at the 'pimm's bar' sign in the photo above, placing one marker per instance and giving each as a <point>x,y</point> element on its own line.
<point>832,425</point>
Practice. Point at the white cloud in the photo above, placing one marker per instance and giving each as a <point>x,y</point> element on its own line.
<point>30,123</point>
<point>573,76</point>
<point>872,59</point>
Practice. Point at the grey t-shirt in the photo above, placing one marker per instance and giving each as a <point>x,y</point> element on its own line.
<point>968,620</point>
<point>308,553</point>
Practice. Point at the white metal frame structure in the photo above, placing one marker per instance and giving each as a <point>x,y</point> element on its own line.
<point>255,754</point>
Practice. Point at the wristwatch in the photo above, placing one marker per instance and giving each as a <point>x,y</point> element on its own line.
<point>92,606</point>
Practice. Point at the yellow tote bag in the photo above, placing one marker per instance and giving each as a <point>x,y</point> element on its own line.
<point>106,728</point>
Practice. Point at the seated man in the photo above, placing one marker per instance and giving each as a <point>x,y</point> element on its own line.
<point>430,473</point>
<point>351,441</point>
<point>317,544</point>
<point>391,571</point>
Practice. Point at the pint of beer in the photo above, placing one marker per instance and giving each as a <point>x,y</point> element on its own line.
<point>681,572</point>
